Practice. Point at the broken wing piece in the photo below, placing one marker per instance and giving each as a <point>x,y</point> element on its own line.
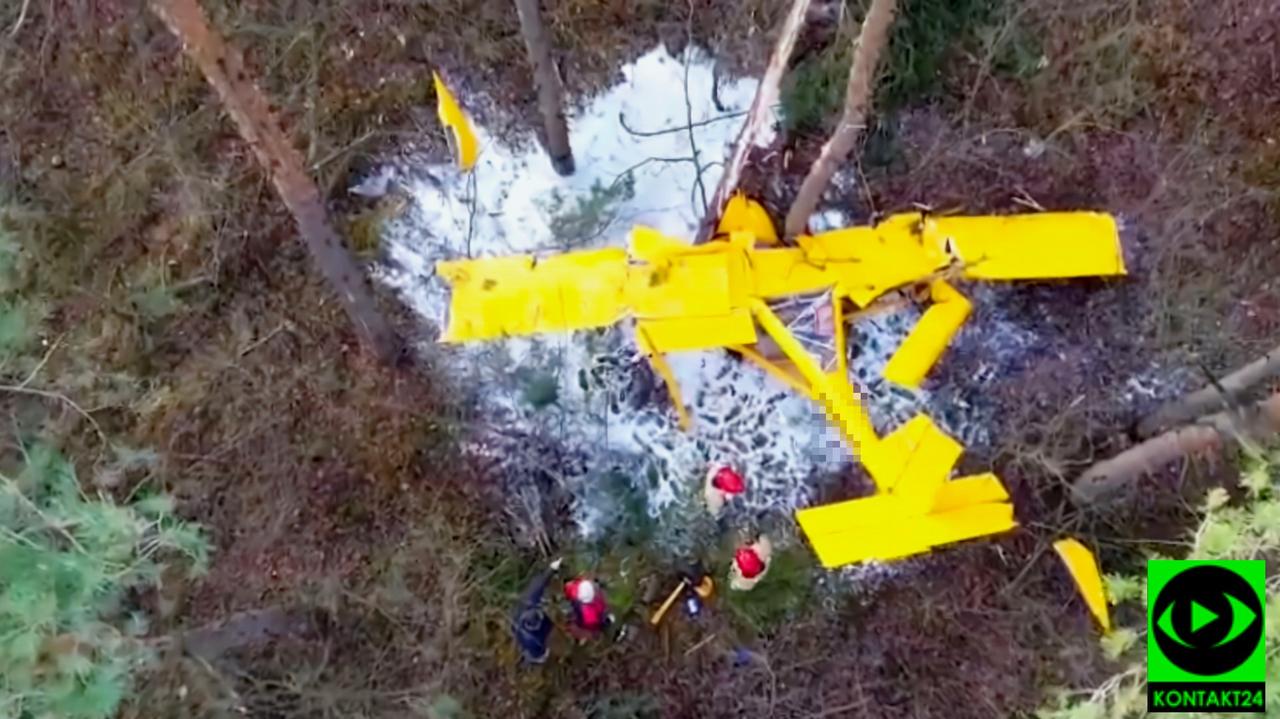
<point>1083,567</point>
<point>913,462</point>
<point>510,296</point>
<point>465,145</point>
<point>869,261</point>
<point>886,536</point>
<point>663,370</point>
<point>964,491</point>
<point>686,285</point>
<point>1037,246</point>
<point>889,526</point>
<point>786,374</point>
<point>930,337</point>
<point>678,334</point>
<point>837,398</point>
<point>742,214</point>
<point>649,245</point>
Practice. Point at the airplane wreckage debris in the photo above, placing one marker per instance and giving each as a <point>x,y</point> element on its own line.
<point>785,309</point>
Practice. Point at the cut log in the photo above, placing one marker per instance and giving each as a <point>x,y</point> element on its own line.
<point>862,74</point>
<point>223,66</point>
<point>1211,398</point>
<point>1206,437</point>
<point>246,629</point>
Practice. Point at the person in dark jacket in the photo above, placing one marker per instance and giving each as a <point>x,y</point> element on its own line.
<point>530,623</point>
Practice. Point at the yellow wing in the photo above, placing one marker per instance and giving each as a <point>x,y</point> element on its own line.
<point>452,117</point>
<point>1083,567</point>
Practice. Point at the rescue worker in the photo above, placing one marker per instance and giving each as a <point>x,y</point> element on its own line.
<point>530,623</point>
<point>723,483</point>
<point>590,612</point>
<point>750,564</point>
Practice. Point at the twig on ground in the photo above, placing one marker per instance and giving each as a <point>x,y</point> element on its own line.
<point>48,394</point>
<point>40,365</point>
<point>985,68</point>
<point>319,164</point>
<point>473,194</point>
<point>264,339</point>
<point>705,641</point>
<point>833,711</point>
<point>618,178</point>
<point>1211,398</point>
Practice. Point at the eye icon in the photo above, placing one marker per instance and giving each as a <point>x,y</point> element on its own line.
<point>1207,620</point>
<point>1241,616</point>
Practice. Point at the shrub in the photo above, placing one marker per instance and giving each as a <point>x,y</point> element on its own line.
<point>1249,529</point>
<point>924,34</point>
<point>68,645</point>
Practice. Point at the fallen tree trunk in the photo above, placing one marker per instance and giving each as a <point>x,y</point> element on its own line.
<point>862,74</point>
<point>1212,398</point>
<point>223,66</point>
<point>759,124</point>
<point>550,89</point>
<point>246,629</point>
<point>1206,437</point>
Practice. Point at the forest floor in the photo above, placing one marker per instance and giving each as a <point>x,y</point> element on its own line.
<point>177,307</point>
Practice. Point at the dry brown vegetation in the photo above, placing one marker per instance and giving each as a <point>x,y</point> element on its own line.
<point>182,315</point>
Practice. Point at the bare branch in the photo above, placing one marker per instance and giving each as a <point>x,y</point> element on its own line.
<point>49,394</point>
<point>622,120</point>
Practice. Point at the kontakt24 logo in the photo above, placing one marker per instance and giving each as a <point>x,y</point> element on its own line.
<point>1206,629</point>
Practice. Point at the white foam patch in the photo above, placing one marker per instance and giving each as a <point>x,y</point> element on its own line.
<point>572,409</point>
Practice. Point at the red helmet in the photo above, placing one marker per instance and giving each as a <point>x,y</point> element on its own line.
<point>749,562</point>
<point>581,590</point>
<point>728,481</point>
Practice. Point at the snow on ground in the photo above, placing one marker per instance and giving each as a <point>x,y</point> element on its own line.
<point>573,410</point>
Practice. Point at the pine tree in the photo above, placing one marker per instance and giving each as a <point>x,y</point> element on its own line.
<point>68,642</point>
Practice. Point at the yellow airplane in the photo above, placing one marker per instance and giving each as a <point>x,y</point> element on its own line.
<point>733,293</point>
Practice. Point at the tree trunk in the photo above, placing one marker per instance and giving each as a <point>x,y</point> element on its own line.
<point>550,89</point>
<point>866,56</point>
<point>1211,399</point>
<point>223,66</point>
<point>245,629</point>
<point>1207,436</point>
<point>759,123</point>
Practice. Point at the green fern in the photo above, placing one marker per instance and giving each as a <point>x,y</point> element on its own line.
<point>68,645</point>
